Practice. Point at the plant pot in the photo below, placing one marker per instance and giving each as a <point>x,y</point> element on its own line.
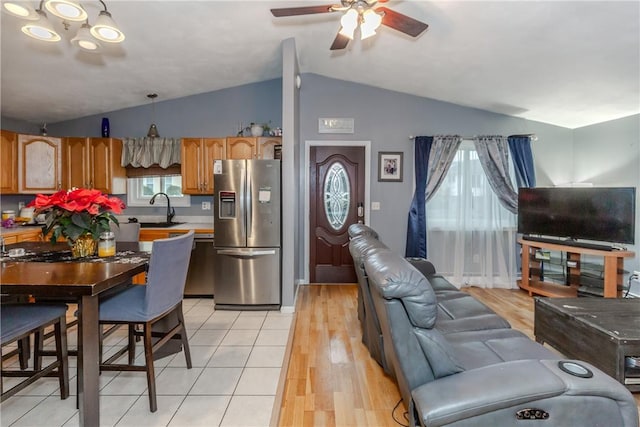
<point>84,246</point>
<point>256,130</point>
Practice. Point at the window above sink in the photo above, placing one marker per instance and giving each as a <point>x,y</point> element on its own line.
<point>140,190</point>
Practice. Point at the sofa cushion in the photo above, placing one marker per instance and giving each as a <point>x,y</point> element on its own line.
<point>438,351</point>
<point>393,277</point>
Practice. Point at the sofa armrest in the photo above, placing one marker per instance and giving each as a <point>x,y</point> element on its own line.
<point>493,395</point>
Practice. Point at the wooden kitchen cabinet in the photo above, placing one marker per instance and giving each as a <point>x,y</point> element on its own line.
<point>94,163</point>
<point>266,146</point>
<point>39,164</point>
<point>197,157</point>
<point>252,147</point>
<point>9,162</point>
<point>241,148</point>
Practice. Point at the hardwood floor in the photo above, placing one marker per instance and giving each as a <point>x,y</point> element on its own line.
<point>331,379</point>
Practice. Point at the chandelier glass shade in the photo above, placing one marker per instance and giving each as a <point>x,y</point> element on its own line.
<point>87,38</point>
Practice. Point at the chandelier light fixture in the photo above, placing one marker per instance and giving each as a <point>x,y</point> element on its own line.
<point>361,14</point>
<point>87,38</point>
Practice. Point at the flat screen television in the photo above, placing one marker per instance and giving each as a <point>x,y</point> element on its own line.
<point>605,214</point>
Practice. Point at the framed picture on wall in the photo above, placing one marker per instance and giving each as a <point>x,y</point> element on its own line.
<point>390,166</point>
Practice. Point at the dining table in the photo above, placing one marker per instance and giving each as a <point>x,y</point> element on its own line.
<point>45,270</point>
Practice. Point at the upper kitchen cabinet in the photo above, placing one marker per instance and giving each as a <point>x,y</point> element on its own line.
<point>252,147</point>
<point>241,148</point>
<point>266,146</point>
<point>94,163</point>
<point>39,164</point>
<point>9,162</point>
<point>197,156</point>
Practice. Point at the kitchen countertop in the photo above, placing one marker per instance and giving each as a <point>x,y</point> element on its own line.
<point>198,227</point>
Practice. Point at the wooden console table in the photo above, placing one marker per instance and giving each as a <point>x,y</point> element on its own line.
<point>613,269</point>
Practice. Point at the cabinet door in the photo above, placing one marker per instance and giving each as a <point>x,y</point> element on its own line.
<point>266,145</point>
<point>106,174</point>
<point>241,148</point>
<point>213,149</point>
<point>39,164</point>
<point>75,163</point>
<point>9,162</point>
<point>191,165</point>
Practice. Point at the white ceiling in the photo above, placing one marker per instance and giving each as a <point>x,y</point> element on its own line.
<point>568,63</point>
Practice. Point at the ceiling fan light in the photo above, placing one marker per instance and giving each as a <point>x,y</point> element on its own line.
<point>349,22</point>
<point>105,29</point>
<point>85,41</point>
<point>366,32</point>
<point>66,9</point>
<point>41,29</point>
<point>371,20</point>
<point>20,10</point>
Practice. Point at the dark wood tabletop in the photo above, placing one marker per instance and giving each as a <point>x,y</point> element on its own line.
<point>84,276</point>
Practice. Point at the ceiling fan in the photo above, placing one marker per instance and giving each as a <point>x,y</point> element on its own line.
<point>359,13</point>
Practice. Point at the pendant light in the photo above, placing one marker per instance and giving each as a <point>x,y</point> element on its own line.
<point>66,9</point>
<point>105,28</point>
<point>85,41</point>
<point>153,129</point>
<point>41,29</point>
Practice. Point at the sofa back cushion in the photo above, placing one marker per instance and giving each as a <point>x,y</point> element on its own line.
<point>395,278</point>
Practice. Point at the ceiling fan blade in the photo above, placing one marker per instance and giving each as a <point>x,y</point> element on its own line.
<point>305,10</point>
<point>401,22</point>
<point>340,42</point>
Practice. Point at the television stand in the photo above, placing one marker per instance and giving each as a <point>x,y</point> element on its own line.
<point>532,283</point>
<point>571,243</point>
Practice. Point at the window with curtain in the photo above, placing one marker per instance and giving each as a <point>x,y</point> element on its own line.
<point>470,235</point>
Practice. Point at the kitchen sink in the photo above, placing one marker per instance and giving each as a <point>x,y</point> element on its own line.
<point>159,224</point>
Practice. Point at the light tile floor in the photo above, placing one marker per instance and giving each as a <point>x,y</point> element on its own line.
<point>237,357</point>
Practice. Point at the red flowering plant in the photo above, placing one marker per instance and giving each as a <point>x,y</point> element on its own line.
<point>77,212</point>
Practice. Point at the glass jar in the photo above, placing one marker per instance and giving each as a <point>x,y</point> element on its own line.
<point>107,244</point>
<point>9,214</point>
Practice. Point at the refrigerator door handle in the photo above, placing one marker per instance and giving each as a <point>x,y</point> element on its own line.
<point>246,253</point>
<point>248,190</point>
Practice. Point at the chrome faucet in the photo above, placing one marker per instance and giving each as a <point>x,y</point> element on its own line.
<point>170,211</point>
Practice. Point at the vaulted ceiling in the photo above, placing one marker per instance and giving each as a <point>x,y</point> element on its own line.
<point>568,63</point>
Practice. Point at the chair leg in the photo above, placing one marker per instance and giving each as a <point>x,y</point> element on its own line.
<point>24,349</point>
<point>60,331</point>
<point>183,336</point>
<point>151,376</point>
<point>38,346</point>
<point>132,343</point>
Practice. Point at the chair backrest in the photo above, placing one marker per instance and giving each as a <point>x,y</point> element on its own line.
<point>167,272</point>
<point>126,231</point>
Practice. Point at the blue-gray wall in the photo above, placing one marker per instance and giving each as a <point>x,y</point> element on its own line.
<point>387,118</point>
<point>604,154</point>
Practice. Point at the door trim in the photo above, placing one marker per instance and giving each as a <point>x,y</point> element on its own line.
<point>367,186</point>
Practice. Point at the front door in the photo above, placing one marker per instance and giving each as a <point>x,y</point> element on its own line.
<point>337,183</point>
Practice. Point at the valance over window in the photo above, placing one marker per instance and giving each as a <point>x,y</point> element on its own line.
<point>145,152</point>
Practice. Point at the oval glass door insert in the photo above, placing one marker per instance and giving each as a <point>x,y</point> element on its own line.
<point>337,196</point>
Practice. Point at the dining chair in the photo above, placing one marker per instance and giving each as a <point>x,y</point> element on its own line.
<point>160,298</point>
<point>19,321</point>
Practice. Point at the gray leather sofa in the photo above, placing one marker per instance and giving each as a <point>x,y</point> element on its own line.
<point>484,374</point>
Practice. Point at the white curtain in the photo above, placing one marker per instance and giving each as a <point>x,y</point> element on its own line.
<point>470,235</point>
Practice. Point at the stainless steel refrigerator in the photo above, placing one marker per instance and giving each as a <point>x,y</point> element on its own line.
<point>247,234</point>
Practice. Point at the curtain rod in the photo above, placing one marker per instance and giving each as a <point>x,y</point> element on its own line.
<point>533,136</point>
